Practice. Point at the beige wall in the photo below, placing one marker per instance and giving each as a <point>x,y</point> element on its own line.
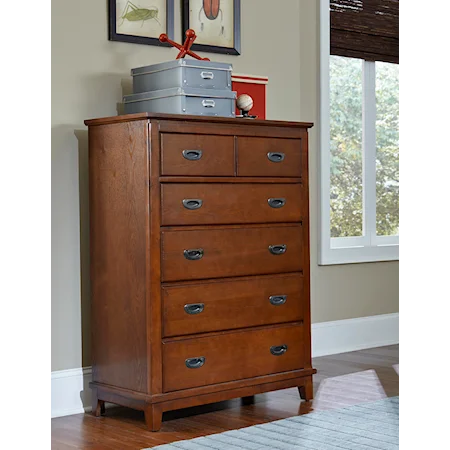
<point>89,76</point>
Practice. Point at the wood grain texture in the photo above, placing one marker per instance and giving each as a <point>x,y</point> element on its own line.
<point>306,254</point>
<point>154,327</point>
<point>141,278</point>
<point>342,380</point>
<point>118,177</point>
<point>236,128</point>
<point>217,158</point>
<point>232,304</point>
<point>231,252</point>
<point>171,118</point>
<point>253,160</point>
<point>232,356</point>
<point>231,203</point>
<point>234,180</point>
<point>263,383</point>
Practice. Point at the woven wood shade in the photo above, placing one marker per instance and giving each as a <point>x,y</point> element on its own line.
<point>366,29</point>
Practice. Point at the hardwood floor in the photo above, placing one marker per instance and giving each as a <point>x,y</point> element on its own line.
<point>341,380</point>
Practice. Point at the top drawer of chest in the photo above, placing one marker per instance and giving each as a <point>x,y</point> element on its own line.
<point>227,156</point>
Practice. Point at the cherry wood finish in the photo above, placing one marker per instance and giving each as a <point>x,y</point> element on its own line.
<point>231,203</point>
<point>342,380</point>
<point>253,157</point>
<point>141,277</point>
<point>216,157</point>
<point>118,205</point>
<point>234,180</point>
<point>231,304</point>
<point>230,252</point>
<point>232,356</point>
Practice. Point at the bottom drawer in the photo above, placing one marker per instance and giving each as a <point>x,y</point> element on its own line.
<point>201,361</point>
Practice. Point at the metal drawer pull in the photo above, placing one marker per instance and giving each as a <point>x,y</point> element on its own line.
<point>192,203</point>
<point>193,254</point>
<point>207,75</point>
<point>276,202</point>
<point>275,156</point>
<point>195,308</point>
<point>195,363</point>
<point>278,300</point>
<point>208,103</point>
<point>277,249</point>
<point>278,350</point>
<point>192,155</point>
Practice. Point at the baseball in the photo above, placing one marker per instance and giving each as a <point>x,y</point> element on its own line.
<point>244,102</point>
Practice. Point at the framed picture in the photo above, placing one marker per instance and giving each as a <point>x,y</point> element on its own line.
<point>217,24</point>
<point>141,21</point>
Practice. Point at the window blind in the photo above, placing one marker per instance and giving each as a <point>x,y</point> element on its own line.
<point>366,29</point>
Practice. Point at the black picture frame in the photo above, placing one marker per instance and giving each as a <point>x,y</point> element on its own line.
<point>236,50</point>
<point>114,36</point>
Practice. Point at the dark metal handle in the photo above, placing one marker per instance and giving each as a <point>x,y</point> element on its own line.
<point>278,300</point>
<point>192,155</point>
<point>195,308</point>
<point>193,254</point>
<point>192,203</point>
<point>278,350</point>
<point>275,156</point>
<point>277,249</point>
<point>195,363</point>
<point>276,202</point>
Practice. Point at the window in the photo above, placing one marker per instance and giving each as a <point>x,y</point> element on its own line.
<point>359,137</point>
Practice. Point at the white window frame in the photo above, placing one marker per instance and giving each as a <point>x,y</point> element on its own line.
<point>358,249</point>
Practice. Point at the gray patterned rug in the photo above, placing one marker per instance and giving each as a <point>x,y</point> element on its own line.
<point>367,426</point>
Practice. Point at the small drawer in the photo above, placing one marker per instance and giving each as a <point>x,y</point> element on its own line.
<point>228,305</point>
<point>209,204</point>
<point>231,252</point>
<point>233,356</point>
<point>197,155</point>
<point>269,157</point>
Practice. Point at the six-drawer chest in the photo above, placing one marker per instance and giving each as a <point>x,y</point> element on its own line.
<point>200,278</point>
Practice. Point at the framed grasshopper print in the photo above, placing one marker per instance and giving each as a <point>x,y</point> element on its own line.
<point>141,21</point>
<point>217,24</point>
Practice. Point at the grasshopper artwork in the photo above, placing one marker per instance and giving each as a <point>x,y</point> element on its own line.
<point>133,13</point>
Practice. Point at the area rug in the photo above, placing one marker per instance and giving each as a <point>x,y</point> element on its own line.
<point>366,426</point>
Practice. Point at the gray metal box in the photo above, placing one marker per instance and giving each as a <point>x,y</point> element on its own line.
<point>183,73</point>
<point>198,102</point>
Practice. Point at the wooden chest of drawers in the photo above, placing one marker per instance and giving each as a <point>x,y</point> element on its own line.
<point>199,260</point>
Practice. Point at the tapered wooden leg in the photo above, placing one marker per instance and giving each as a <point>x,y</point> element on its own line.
<point>249,400</point>
<point>98,406</point>
<point>153,417</point>
<point>306,390</point>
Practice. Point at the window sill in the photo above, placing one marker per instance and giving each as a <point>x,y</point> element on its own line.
<point>354,255</point>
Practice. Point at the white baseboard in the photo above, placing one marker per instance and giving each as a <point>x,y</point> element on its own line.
<point>329,338</point>
<point>71,393</point>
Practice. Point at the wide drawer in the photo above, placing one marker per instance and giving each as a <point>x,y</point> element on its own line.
<point>230,252</point>
<point>197,203</point>
<point>269,157</point>
<point>227,305</point>
<point>197,155</point>
<point>208,360</point>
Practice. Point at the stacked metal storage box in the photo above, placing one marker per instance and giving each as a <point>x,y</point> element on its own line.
<point>182,87</point>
